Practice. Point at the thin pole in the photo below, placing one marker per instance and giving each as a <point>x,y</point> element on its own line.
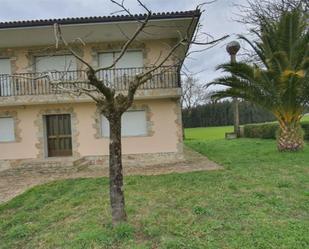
<point>236,106</point>
<point>232,48</point>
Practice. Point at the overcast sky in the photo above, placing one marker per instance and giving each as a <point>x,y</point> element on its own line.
<point>217,20</point>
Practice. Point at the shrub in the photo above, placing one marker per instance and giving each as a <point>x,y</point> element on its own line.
<point>305,126</point>
<point>269,130</point>
<point>266,130</point>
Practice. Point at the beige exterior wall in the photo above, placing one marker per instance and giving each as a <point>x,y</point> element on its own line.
<point>24,147</point>
<point>23,59</point>
<point>165,133</point>
<point>161,138</point>
<point>163,109</point>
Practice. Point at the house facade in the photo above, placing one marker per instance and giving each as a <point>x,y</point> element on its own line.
<point>41,123</point>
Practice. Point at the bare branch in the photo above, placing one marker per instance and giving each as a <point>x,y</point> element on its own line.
<point>130,41</point>
<point>254,11</point>
<point>59,38</point>
<point>194,93</point>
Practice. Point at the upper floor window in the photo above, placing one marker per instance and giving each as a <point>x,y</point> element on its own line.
<point>130,64</point>
<point>55,63</point>
<point>61,66</point>
<point>131,59</point>
<point>5,66</point>
<point>5,78</point>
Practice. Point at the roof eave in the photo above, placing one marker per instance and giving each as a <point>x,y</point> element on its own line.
<point>103,19</point>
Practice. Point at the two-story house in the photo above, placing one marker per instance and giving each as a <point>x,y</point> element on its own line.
<point>39,122</point>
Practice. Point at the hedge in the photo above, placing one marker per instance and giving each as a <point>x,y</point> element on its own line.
<point>269,130</point>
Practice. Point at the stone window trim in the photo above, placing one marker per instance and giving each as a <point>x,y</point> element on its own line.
<point>179,125</point>
<point>17,129</point>
<point>149,122</point>
<point>41,133</point>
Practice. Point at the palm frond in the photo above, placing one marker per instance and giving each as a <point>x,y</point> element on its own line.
<point>281,83</point>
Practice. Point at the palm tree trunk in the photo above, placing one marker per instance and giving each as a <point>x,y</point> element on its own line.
<point>290,137</point>
<point>115,171</point>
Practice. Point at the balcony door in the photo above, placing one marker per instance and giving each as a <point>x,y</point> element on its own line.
<point>59,135</point>
<point>61,66</point>
<point>130,64</point>
<point>5,79</point>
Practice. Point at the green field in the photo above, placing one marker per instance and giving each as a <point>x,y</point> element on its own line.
<point>259,200</point>
<point>214,133</point>
<point>209,133</point>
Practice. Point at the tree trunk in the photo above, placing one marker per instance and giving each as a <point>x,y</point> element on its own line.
<point>290,137</point>
<point>115,170</point>
<point>236,117</point>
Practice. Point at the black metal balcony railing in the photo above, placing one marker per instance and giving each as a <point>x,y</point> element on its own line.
<point>30,83</point>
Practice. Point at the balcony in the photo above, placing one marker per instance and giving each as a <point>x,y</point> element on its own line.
<point>30,84</point>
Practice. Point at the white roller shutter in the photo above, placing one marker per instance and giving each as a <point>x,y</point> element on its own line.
<point>131,59</point>
<point>55,63</point>
<point>7,133</point>
<point>5,71</point>
<point>133,123</point>
<point>106,59</point>
<point>128,60</point>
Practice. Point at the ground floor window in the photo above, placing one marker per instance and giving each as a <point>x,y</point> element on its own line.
<point>133,123</point>
<point>7,131</point>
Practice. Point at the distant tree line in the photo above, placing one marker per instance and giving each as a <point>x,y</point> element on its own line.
<point>221,113</point>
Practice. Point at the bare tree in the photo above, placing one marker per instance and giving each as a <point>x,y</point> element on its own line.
<point>256,11</point>
<point>193,93</point>
<point>111,103</point>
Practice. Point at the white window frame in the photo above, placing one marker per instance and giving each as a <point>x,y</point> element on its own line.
<point>142,134</point>
<point>113,76</point>
<point>5,79</point>
<point>63,73</point>
<point>36,57</point>
<point>12,135</point>
<point>115,56</point>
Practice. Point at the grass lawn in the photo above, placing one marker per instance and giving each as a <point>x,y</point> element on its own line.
<point>306,118</point>
<point>260,200</point>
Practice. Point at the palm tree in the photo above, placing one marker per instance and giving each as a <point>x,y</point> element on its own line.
<point>278,80</point>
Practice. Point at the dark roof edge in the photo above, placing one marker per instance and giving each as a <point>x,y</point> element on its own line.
<point>99,19</point>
